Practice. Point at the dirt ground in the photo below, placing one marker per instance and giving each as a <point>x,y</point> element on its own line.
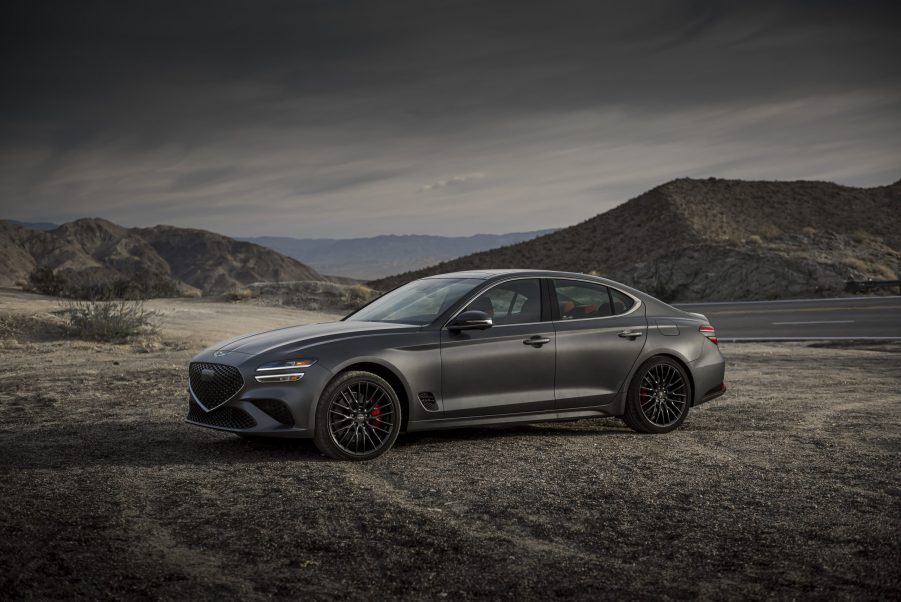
<point>788,487</point>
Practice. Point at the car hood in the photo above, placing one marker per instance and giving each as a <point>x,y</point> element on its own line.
<point>304,336</point>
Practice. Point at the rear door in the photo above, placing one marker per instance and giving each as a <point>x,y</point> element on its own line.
<point>600,333</point>
<point>505,369</point>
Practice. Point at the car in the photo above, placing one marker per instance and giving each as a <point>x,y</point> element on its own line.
<point>465,349</point>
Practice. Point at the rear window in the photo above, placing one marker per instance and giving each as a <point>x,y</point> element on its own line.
<point>621,301</point>
<point>579,300</point>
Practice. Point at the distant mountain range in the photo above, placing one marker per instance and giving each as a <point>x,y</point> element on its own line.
<point>380,256</point>
<point>95,253</point>
<point>685,240</point>
<point>719,239</point>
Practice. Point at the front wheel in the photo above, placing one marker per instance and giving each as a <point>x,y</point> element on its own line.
<point>658,397</point>
<point>358,417</point>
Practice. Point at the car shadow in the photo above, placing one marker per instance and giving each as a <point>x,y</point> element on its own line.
<point>174,443</point>
<point>547,431</point>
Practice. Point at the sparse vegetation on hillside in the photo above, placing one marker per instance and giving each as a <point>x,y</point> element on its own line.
<point>314,296</point>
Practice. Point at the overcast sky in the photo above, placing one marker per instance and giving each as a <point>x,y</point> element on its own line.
<point>344,119</point>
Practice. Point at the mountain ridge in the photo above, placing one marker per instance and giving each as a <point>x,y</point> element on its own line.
<point>387,254</point>
<point>691,239</point>
<point>94,253</point>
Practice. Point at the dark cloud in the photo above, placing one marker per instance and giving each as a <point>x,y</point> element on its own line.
<point>332,118</point>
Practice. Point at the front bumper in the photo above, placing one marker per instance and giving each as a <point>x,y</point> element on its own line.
<point>265,409</point>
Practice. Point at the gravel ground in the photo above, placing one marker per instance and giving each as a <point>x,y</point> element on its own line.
<point>787,487</point>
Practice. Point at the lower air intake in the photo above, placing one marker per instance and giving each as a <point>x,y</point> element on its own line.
<point>428,401</point>
<point>230,418</point>
<point>276,409</point>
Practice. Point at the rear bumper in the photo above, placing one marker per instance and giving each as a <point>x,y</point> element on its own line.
<point>718,391</point>
<point>708,373</point>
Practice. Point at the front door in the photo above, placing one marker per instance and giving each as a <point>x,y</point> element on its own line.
<point>505,369</point>
<point>600,333</point>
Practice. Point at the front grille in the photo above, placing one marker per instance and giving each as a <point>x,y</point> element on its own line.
<point>218,385</point>
<point>226,418</point>
<point>428,401</point>
<point>276,409</point>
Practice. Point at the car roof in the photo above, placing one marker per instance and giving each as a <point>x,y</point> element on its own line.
<point>488,274</point>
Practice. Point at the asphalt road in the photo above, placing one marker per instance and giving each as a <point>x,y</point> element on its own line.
<point>859,318</point>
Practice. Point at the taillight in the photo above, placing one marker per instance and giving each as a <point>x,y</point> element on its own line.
<point>708,331</point>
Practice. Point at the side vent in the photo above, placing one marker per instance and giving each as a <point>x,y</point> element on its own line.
<point>428,401</point>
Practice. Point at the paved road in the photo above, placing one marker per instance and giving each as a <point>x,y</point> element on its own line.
<point>875,318</point>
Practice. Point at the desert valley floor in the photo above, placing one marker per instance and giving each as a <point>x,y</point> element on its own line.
<point>789,486</point>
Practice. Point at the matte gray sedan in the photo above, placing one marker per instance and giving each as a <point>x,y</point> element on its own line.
<point>461,350</point>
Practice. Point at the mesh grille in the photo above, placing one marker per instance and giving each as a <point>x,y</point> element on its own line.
<point>214,384</point>
<point>226,418</point>
<point>276,409</point>
<point>428,401</point>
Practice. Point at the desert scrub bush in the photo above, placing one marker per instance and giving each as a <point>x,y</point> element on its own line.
<point>112,321</point>
<point>240,294</point>
<point>47,282</point>
<point>358,295</point>
<point>755,240</point>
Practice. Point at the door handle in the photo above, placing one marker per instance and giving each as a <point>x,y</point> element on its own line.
<point>536,341</point>
<point>630,334</point>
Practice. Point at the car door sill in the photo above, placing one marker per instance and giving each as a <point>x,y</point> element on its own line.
<point>501,419</point>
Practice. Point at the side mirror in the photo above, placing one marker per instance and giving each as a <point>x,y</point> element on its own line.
<point>471,320</point>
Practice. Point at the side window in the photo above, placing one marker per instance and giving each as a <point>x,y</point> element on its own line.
<point>621,301</point>
<point>514,302</point>
<point>578,300</point>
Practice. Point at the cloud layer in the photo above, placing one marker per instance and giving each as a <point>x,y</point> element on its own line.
<point>355,118</point>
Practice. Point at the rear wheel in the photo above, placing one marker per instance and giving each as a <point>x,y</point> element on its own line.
<point>358,417</point>
<point>658,397</point>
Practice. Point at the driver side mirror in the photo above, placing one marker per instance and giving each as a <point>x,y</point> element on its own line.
<point>471,320</point>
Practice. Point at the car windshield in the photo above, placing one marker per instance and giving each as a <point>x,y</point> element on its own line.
<point>418,302</point>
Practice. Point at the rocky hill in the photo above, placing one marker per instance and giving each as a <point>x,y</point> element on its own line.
<point>380,256</point>
<point>95,253</point>
<point>720,239</point>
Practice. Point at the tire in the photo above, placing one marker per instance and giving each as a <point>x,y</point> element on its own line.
<point>358,417</point>
<point>659,396</point>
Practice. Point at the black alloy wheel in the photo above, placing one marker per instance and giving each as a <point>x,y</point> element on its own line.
<point>659,396</point>
<point>358,417</point>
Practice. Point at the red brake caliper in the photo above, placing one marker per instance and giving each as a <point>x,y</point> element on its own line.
<point>375,413</point>
<point>643,396</point>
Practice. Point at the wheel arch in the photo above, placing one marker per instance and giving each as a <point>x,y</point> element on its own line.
<point>394,379</point>
<point>667,354</point>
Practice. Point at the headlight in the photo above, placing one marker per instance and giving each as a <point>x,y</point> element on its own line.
<point>280,378</point>
<point>278,367</point>
<point>285,365</point>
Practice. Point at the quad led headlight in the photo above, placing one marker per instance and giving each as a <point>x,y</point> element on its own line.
<point>283,371</point>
